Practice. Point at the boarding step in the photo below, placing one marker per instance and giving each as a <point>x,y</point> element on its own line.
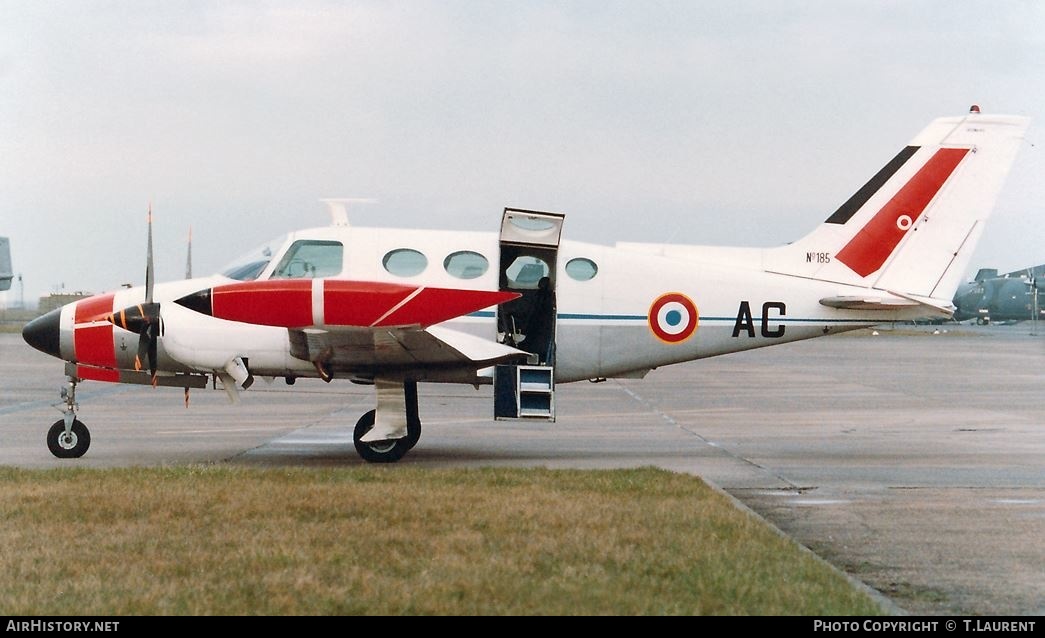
<point>524,392</point>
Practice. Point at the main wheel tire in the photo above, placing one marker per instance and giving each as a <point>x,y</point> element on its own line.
<point>68,446</point>
<point>384,451</point>
<point>413,433</point>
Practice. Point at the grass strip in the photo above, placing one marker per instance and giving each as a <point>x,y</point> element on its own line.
<point>395,540</point>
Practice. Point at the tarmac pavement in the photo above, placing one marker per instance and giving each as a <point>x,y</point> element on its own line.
<point>913,461</point>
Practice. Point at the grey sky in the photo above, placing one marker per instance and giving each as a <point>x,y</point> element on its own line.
<point>741,123</point>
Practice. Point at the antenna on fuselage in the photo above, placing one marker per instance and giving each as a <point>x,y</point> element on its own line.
<point>338,207</point>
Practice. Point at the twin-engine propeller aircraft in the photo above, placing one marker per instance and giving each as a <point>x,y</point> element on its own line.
<point>525,311</point>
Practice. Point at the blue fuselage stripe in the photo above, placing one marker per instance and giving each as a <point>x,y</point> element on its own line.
<point>573,316</point>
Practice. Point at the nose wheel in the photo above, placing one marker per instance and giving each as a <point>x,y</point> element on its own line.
<point>71,444</point>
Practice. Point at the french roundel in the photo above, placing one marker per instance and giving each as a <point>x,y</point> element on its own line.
<point>673,317</point>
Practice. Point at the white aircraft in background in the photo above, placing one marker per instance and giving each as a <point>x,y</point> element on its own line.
<point>525,310</point>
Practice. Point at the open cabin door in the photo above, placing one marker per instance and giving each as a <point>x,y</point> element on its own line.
<point>529,246</point>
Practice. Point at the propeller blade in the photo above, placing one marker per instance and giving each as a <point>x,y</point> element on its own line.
<point>145,320</point>
<point>143,348</point>
<point>154,334</point>
<point>149,263</point>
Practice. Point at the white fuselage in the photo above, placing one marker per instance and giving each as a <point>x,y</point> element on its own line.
<point>603,326</point>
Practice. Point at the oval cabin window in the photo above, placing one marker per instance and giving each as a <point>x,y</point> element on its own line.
<point>405,262</point>
<point>581,269</point>
<point>465,264</point>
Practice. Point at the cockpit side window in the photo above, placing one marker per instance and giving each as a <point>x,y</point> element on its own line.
<point>247,272</point>
<point>309,258</point>
<point>249,267</point>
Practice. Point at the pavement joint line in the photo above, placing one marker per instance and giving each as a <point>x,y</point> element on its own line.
<point>275,441</point>
<point>888,605</point>
<point>82,396</point>
<point>669,419</point>
<point>28,406</point>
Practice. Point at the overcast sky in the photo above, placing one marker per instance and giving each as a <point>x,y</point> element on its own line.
<point>738,123</point>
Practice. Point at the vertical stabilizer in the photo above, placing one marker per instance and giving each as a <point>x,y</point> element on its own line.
<point>912,228</point>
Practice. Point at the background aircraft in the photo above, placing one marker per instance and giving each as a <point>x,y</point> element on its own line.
<point>523,309</point>
<point>991,297</point>
<point>5,264</point>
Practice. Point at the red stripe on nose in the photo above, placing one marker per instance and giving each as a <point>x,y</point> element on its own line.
<point>93,342</point>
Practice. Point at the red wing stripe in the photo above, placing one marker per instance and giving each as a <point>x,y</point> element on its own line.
<point>871,247</point>
<point>286,303</point>
<point>289,303</point>
<point>396,307</point>
<point>360,303</point>
<point>436,305</point>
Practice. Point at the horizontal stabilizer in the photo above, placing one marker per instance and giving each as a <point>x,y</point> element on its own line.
<point>867,303</point>
<point>933,307</point>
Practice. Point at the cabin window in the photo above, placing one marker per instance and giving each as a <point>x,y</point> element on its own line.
<point>526,272</point>
<point>405,262</point>
<point>581,269</point>
<point>307,259</point>
<point>465,264</point>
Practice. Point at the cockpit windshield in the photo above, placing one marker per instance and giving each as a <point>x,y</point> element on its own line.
<point>249,266</point>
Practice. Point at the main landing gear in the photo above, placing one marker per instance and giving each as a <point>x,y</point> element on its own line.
<point>391,398</point>
<point>69,438</point>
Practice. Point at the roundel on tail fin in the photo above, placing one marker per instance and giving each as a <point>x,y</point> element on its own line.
<point>869,249</point>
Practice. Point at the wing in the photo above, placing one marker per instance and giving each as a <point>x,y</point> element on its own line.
<point>364,328</point>
<point>370,350</point>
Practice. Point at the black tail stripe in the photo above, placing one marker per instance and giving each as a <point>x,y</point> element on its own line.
<point>848,209</point>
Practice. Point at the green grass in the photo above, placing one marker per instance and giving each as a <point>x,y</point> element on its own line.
<point>395,540</point>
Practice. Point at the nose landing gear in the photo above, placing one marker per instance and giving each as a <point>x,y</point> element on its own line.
<point>69,438</point>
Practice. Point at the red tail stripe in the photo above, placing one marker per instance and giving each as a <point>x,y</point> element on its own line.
<point>871,247</point>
